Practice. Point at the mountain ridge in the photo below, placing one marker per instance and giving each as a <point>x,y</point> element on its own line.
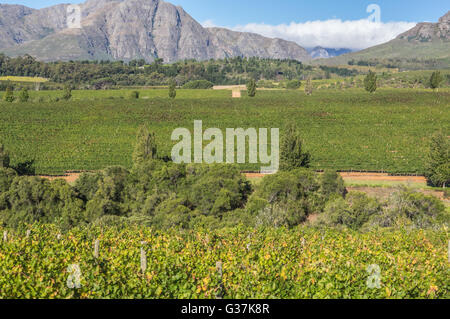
<point>424,41</point>
<point>129,29</point>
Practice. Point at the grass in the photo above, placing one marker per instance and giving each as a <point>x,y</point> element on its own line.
<point>343,130</point>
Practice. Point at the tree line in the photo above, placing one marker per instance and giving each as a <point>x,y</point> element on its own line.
<point>159,193</point>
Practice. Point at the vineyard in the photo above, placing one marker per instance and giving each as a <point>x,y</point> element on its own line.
<point>135,262</point>
<point>342,129</point>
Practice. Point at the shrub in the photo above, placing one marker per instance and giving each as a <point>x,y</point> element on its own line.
<point>370,82</point>
<point>438,161</point>
<point>4,157</point>
<point>293,194</point>
<point>200,84</point>
<point>292,155</point>
<point>9,95</point>
<point>145,147</point>
<point>67,94</point>
<point>331,183</point>
<point>134,95</point>
<point>309,87</point>
<point>436,80</point>
<point>251,88</point>
<point>352,212</point>
<point>172,89</point>
<point>24,96</point>
<point>409,208</point>
<point>293,84</point>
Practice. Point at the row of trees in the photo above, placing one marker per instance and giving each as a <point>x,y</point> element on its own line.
<point>370,81</point>
<point>24,95</point>
<point>101,74</point>
<point>159,193</point>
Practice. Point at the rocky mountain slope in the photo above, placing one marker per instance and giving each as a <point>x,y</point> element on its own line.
<point>424,41</point>
<point>326,53</point>
<point>129,29</point>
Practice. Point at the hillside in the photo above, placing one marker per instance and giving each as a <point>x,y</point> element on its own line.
<point>426,41</point>
<point>129,29</point>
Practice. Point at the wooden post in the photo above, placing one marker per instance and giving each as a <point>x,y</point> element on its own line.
<point>28,233</point>
<point>96,248</point>
<point>143,258</point>
<point>5,236</point>
<point>220,274</point>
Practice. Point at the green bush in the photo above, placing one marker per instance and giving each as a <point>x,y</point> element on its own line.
<point>251,88</point>
<point>199,84</point>
<point>409,208</point>
<point>293,84</point>
<point>9,95</point>
<point>134,95</point>
<point>352,212</point>
<point>370,82</point>
<point>24,96</point>
<point>292,154</point>
<point>438,161</point>
<point>4,157</point>
<point>172,89</point>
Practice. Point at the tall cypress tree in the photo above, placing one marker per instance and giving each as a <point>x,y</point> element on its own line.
<point>370,82</point>
<point>172,89</point>
<point>9,95</point>
<point>292,155</point>
<point>251,88</point>
<point>435,80</point>
<point>145,147</point>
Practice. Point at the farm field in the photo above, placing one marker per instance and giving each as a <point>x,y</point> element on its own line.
<point>344,130</point>
<point>23,79</point>
<point>273,263</point>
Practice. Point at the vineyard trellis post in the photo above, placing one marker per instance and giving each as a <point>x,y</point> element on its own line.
<point>219,269</point>
<point>5,236</point>
<point>143,258</point>
<point>96,248</point>
<point>28,233</point>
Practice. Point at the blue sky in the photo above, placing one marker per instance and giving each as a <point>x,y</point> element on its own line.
<point>329,23</point>
<point>233,12</point>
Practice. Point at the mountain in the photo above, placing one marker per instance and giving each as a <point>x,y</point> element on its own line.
<point>424,41</point>
<point>129,29</point>
<point>326,53</point>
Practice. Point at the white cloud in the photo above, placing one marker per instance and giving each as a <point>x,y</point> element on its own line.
<point>356,34</point>
<point>208,24</point>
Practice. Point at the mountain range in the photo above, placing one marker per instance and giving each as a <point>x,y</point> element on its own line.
<point>129,29</point>
<point>151,29</point>
<point>424,41</point>
<point>326,53</point>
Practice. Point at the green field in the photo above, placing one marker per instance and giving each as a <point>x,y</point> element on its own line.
<point>343,129</point>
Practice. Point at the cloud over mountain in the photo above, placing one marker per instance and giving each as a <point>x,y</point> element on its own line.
<point>355,34</point>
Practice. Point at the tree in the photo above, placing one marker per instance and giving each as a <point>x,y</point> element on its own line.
<point>292,155</point>
<point>251,88</point>
<point>309,87</point>
<point>145,147</point>
<point>134,95</point>
<point>370,82</point>
<point>24,96</point>
<point>436,80</point>
<point>437,161</point>
<point>172,89</point>
<point>4,157</point>
<point>9,95</point>
<point>67,95</point>
<point>293,85</point>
